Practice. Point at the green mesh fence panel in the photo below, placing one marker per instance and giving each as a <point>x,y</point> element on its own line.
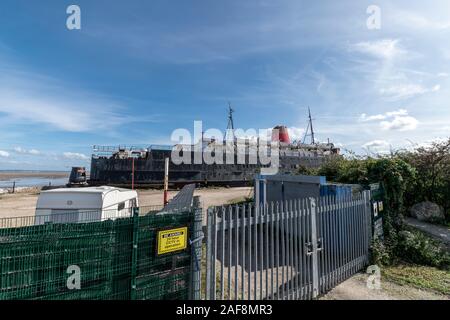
<point>34,259</point>
<point>165,276</point>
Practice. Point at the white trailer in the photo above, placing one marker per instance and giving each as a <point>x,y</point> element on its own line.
<point>72,205</point>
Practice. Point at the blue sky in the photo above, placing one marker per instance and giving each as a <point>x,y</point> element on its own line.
<point>137,70</point>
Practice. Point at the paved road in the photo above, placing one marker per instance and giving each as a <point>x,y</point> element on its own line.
<point>439,232</point>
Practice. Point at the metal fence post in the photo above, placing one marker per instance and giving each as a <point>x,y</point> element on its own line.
<point>368,226</point>
<point>315,262</point>
<point>134,256</point>
<point>209,252</point>
<point>196,247</point>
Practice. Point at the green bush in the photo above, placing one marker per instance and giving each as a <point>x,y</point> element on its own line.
<point>381,254</point>
<point>406,178</point>
<point>432,183</point>
<point>415,247</point>
<point>411,246</point>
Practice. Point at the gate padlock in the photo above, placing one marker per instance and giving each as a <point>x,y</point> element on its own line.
<point>319,244</point>
<point>309,248</point>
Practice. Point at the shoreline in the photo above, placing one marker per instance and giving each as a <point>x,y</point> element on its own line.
<point>11,175</point>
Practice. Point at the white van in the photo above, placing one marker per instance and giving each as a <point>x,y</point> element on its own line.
<point>69,205</point>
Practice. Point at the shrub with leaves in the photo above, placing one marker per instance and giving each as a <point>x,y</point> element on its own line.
<point>432,183</point>
<point>381,254</point>
<point>403,176</point>
<point>414,246</point>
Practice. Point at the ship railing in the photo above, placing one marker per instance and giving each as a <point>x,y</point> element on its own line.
<point>106,151</point>
<point>160,147</point>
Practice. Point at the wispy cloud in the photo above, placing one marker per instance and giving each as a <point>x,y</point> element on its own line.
<point>415,20</point>
<point>30,97</point>
<point>24,104</point>
<point>75,156</point>
<point>26,151</point>
<point>407,90</point>
<point>385,49</point>
<point>236,30</point>
<point>393,70</point>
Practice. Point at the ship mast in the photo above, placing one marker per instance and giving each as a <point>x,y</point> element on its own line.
<point>309,128</point>
<point>230,126</point>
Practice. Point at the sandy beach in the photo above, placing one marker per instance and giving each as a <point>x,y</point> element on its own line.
<point>23,204</point>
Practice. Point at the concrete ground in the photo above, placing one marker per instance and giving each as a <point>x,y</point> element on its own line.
<point>356,288</point>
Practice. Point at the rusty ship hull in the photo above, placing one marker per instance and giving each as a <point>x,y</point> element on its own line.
<point>145,167</point>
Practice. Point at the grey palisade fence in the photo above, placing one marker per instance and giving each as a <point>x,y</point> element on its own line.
<point>296,249</point>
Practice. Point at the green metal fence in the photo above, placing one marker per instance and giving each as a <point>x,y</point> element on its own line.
<point>116,258</point>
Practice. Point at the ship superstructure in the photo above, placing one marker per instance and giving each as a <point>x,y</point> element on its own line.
<point>235,162</point>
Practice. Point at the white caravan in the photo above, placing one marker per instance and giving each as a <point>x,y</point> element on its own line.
<point>71,205</point>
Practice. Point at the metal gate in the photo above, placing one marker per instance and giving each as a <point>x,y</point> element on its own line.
<point>289,250</point>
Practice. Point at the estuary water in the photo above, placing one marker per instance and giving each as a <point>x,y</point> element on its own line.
<point>24,179</point>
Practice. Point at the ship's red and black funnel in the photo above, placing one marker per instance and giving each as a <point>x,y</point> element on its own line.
<point>280,134</point>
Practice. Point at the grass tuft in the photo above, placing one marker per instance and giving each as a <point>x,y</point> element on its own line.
<point>422,277</point>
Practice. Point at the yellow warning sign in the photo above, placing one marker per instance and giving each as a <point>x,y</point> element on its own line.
<point>172,240</point>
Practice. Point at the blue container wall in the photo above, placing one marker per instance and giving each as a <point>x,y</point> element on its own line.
<point>335,190</point>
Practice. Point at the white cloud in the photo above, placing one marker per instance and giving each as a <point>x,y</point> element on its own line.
<point>4,154</point>
<point>385,49</point>
<point>400,123</point>
<point>25,151</point>
<point>400,112</point>
<point>34,151</point>
<point>377,146</point>
<point>19,150</point>
<point>296,133</point>
<point>376,143</point>
<point>75,156</point>
<point>364,117</point>
<point>398,120</point>
<point>436,88</point>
